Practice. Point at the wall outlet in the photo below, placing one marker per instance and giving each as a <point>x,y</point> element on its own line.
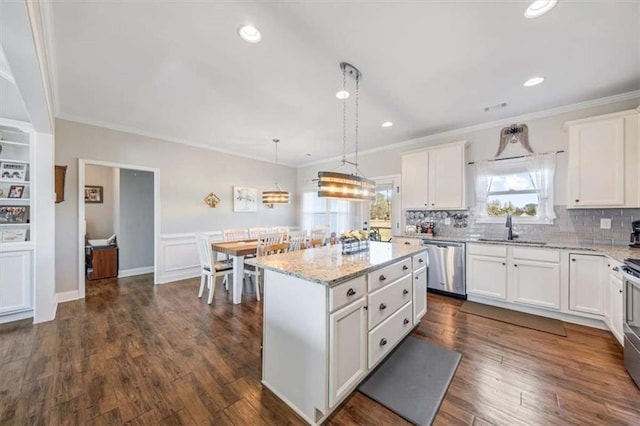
<point>605,223</point>
<point>447,221</point>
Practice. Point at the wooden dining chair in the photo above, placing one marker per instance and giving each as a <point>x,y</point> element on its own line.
<point>236,234</point>
<point>255,232</point>
<point>297,240</point>
<point>209,268</point>
<point>268,243</point>
<point>317,237</point>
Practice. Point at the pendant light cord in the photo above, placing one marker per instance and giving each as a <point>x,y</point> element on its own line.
<point>357,108</point>
<point>344,118</point>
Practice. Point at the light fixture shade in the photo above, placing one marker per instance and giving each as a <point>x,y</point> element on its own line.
<point>344,186</point>
<point>275,197</point>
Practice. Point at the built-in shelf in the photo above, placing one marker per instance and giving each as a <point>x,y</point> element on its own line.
<point>9,160</point>
<point>6,246</point>
<point>13,199</point>
<point>18,182</point>
<point>25,145</point>
<point>14,225</point>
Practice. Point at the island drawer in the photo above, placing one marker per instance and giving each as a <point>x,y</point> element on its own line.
<point>388,299</point>
<point>419,260</point>
<point>347,292</point>
<point>384,337</point>
<point>539,254</point>
<point>389,274</point>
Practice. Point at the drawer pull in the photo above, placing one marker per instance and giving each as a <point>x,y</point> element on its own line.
<point>366,308</point>
<point>615,269</point>
<point>405,267</point>
<point>382,278</point>
<point>417,278</point>
<point>405,322</point>
<point>405,291</point>
<point>383,306</point>
<point>351,292</point>
<point>383,341</point>
<point>421,260</point>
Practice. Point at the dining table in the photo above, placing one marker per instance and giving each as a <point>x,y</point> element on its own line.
<point>237,250</point>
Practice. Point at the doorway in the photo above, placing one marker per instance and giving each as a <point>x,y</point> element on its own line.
<point>383,213</point>
<point>118,220</point>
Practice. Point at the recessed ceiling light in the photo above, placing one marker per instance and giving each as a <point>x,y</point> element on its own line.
<point>343,94</point>
<point>387,124</point>
<point>534,81</point>
<point>539,8</point>
<point>249,33</point>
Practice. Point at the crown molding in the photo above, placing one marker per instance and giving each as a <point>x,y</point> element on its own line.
<point>49,38</point>
<point>497,123</point>
<point>164,138</point>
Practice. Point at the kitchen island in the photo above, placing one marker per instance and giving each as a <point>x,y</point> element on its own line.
<point>329,319</point>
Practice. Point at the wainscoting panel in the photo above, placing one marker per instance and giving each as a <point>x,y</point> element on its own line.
<point>178,257</point>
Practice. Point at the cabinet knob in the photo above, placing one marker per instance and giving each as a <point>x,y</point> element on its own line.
<point>619,291</point>
<point>417,278</point>
<point>573,259</point>
<point>515,265</point>
<point>504,264</point>
<point>433,204</point>
<point>421,260</point>
<point>405,291</point>
<point>577,201</point>
<point>407,243</point>
<point>383,341</point>
<point>406,321</point>
<point>615,269</point>
<point>405,267</point>
<point>383,306</point>
<point>366,308</point>
<point>382,278</point>
<point>351,292</point>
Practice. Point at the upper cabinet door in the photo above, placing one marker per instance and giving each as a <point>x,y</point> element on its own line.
<point>596,163</point>
<point>415,174</point>
<point>446,177</point>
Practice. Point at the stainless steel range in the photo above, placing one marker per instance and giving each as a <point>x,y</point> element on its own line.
<point>631,325</point>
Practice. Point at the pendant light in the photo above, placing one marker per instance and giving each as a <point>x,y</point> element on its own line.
<point>277,196</point>
<point>347,186</point>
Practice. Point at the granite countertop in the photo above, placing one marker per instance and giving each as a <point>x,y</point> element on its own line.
<point>328,266</point>
<point>619,253</point>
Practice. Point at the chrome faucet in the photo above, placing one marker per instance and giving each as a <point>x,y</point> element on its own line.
<point>509,225</point>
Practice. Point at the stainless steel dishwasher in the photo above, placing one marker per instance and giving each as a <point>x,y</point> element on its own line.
<point>447,268</point>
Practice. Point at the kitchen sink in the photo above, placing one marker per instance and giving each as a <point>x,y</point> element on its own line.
<point>498,240</point>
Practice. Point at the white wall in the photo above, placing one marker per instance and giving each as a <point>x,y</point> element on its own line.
<point>135,236</point>
<point>545,134</point>
<point>187,175</point>
<point>99,216</point>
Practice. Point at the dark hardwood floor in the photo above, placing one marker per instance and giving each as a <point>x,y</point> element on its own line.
<point>139,354</point>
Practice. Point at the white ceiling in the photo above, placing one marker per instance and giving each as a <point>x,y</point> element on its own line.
<point>178,70</point>
<point>11,103</point>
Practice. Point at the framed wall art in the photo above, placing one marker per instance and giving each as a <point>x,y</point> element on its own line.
<point>14,214</point>
<point>93,194</point>
<point>16,172</point>
<point>16,191</point>
<point>245,199</point>
<point>13,235</point>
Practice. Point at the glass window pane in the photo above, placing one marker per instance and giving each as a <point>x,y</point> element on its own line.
<point>511,182</point>
<point>522,205</point>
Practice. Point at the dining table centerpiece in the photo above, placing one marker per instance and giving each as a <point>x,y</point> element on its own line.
<point>354,241</point>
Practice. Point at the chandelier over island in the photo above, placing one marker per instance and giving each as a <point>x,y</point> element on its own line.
<point>347,186</point>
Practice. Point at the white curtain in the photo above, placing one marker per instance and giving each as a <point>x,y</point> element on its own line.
<point>542,168</point>
<point>485,170</point>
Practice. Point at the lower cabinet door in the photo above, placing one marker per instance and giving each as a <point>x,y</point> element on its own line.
<point>15,282</point>
<point>586,283</point>
<point>616,308</point>
<point>487,276</point>
<point>419,295</point>
<point>348,349</point>
<point>536,283</point>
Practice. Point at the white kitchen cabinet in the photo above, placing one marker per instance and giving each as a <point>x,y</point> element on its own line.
<point>419,295</point>
<point>348,356</point>
<point>415,177</point>
<point>434,178</point>
<point>602,168</point>
<point>447,177</point>
<point>536,283</point>
<point>616,301</point>
<point>586,284</point>
<point>487,276</point>
<point>15,282</point>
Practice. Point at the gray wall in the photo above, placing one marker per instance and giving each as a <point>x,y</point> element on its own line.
<point>545,134</point>
<point>135,237</point>
<point>99,217</point>
<point>187,174</point>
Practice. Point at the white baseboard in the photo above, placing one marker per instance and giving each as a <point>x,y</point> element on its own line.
<point>16,316</point>
<point>135,271</point>
<point>68,296</point>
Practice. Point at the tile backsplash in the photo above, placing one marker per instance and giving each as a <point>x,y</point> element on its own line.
<point>571,225</point>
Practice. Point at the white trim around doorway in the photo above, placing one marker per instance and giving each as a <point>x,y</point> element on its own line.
<point>81,214</point>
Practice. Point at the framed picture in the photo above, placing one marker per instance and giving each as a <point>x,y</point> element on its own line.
<point>13,235</point>
<point>16,191</point>
<point>93,194</point>
<point>245,199</point>
<point>13,171</point>
<point>14,214</point>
